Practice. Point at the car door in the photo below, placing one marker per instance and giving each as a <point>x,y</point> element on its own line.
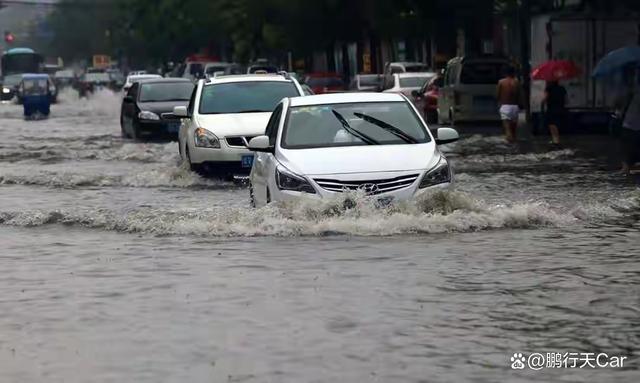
<point>264,163</point>
<point>128,108</point>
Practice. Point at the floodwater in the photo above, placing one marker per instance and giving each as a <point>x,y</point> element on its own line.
<point>119,265</point>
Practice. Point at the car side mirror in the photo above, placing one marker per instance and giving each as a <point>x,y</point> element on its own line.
<point>128,99</point>
<point>446,136</point>
<point>260,144</point>
<point>180,111</point>
<point>415,94</point>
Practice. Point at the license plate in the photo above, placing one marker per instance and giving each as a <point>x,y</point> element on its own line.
<point>247,161</point>
<point>173,127</point>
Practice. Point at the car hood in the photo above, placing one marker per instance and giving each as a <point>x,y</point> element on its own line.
<point>222,125</point>
<point>360,159</point>
<point>161,107</point>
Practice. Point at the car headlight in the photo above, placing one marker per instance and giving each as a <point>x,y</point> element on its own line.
<point>289,181</point>
<point>146,115</point>
<point>206,139</point>
<point>439,174</point>
<point>6,90</point>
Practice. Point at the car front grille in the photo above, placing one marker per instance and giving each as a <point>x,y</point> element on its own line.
<point>239,141</point>
<point>371,187</point>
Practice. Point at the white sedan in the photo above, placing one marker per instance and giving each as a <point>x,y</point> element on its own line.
<point>224,113</point>
<point>321,146</point>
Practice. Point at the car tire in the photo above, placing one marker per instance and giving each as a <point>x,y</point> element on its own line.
<point>196,168</point>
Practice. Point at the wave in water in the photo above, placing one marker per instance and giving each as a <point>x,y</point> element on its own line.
<point>143,176</point>
<point>441,212</point>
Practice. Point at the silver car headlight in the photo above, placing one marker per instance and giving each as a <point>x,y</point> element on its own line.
<point>289,181</point>
<point>439,174</point>
<point>205,139</point>
<point>146,115</point>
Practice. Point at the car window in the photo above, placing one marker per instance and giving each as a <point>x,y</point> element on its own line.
<point>245,97</point>
<point>396,69</point>
<point>334,125</point>
<point>165,91</point>
<point>482,72</point>
<point>416,68</point>
<point>272,125</point>
<point>413,82</point>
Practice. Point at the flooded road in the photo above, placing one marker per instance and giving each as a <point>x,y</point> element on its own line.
<point>120,265</point>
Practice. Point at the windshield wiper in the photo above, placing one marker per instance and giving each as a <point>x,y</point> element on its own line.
<point>353,131</point>
<point>388,127</point>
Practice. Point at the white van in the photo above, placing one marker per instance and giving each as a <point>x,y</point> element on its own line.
<point>469,91</point>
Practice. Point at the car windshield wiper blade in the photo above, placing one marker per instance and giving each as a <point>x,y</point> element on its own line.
<point>388,127</point>
<point>353,131</point>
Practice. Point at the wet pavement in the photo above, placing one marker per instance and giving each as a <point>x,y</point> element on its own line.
<point>120,265</point>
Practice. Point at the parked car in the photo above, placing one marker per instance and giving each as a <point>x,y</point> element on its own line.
<point>321,82</point>
<point>262,66</point>
<point>221,67</point>
<point>406,83</point>
<point>65,78</point>
<point>426,99</point>
<point>392,68</point>
<point>10,86</point>
<point>223,115</point>
<point>366,83</point>
<point>147,108</point>
<point>321,146</point>
<point>94,81</point>
<point>132,78</point>
<point>469,90</point>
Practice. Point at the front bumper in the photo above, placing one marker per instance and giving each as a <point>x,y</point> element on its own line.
<point>225,156</point>
<point>7,96</point>
<point>161,128</point>
<point>408,193</point>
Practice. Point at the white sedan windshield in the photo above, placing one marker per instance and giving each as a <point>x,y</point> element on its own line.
<point>374,123</point>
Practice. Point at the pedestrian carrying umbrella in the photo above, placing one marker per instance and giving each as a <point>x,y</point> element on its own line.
<point>616,60</point>
<point>555,70</point>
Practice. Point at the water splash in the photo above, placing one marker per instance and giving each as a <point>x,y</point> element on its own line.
<point>351,214</point>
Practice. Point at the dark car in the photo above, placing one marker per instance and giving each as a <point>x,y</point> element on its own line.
<point>321,82</point>
<point>147,108</point>
<point>10,86</point>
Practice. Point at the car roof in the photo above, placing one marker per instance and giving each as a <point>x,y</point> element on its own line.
<point>33,76</point>
<point>156,80</point>
<point>144,76</point>
<point>416,74</point>
<point>342,98</point>
<point>405,63</point>
<point>247,78</point>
